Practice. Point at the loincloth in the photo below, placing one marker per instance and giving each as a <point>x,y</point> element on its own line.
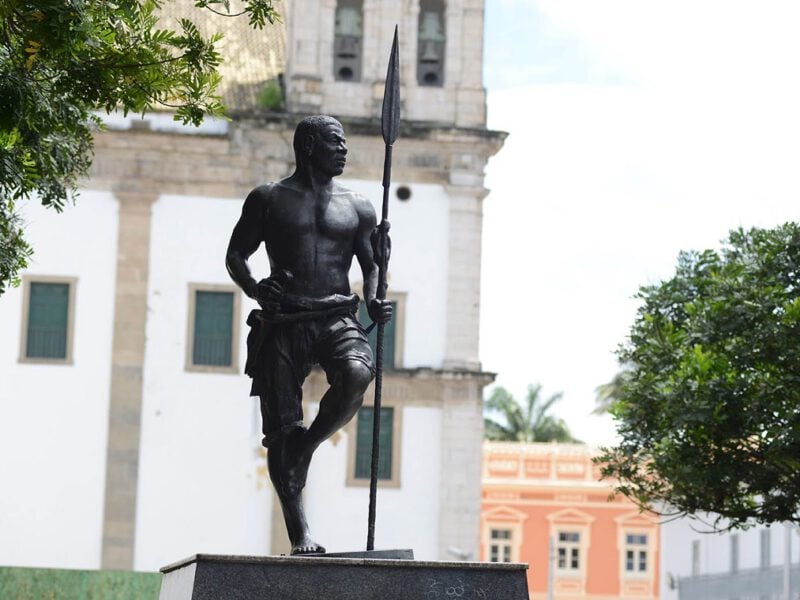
<point>283,347</point>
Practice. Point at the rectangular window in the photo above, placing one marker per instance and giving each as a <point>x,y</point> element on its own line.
<point>48,311</point>
<point>213,328</point>
<point>500,545</point>
<point>47,320</point>
<point>364,426</point>
<point>734,553</point>
<point>568,551</point>
<point>695,558</point>
<point>636,553</point>
<point>389,337</point>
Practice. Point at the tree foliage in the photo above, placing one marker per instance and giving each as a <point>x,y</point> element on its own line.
<point>708,408</point>
<point>61,60</point>
<point>524,422</point>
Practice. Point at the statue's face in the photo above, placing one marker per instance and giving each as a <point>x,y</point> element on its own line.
<point>329,152</point>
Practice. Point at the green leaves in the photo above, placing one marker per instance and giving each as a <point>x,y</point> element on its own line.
<point>709,408</point>
<point>526,422</point>
<point>14,251</point>
<point>258,12</point>
<point>62,61</point>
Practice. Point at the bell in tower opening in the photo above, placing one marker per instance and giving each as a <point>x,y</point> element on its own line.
<point>431,43</point>
<point>347,40</point>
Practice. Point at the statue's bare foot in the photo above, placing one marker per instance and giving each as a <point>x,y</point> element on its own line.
<point>307,546</point>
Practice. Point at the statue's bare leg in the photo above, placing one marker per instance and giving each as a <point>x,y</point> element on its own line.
<point>289,456</point>
<point>283,470</point>
<point>339,404</point>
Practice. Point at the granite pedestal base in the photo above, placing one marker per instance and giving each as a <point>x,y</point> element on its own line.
<point>210,577</point>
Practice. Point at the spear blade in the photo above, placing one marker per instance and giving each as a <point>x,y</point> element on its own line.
<point>390,115</point>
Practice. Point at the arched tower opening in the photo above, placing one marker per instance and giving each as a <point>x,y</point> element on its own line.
<point>348,40</point>
<point>431,43</point>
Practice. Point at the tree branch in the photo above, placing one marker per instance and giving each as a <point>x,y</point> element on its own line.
<point>222,14</point>
<point>134,65</point>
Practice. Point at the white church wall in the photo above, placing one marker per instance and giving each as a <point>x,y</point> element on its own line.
<point>54,417</point>
<point>418,264</point>
<point>201,481</point>
<point>406,516</point>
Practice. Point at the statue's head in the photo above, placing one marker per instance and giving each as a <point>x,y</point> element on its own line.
<point>319,143</point>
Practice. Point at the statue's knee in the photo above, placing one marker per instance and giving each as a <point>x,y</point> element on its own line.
<point>356,377</point>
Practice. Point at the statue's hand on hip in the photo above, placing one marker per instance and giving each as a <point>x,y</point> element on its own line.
<point>269,291</point>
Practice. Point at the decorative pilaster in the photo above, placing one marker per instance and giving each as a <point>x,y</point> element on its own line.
<point>463,278</point>
<point>304,75</point>
<point>460,484</point>
<point>326,21</point>
<point>409,28</point>
<point>470,96</point>
<point>127,360</point>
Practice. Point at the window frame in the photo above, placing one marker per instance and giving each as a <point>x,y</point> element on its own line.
<point>569,545</point>
<point>502,517</point>
<point>637,549</point>
<point>571,520</point>
<point>397,434</point>
<point>189,364</point>
<point>27,280</point>
<point>399,318</point>
<point>501,543</point>
<point>637,524</point>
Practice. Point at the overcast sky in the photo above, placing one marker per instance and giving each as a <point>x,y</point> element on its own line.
<point>637,129</point>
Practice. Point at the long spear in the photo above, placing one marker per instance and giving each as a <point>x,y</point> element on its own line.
<point>390,125</point>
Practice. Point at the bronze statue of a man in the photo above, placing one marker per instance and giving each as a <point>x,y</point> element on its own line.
<point>312,228</point>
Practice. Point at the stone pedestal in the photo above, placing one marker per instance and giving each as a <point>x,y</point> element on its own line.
<point>210,577</point>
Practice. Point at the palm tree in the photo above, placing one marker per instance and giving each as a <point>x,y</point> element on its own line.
<point>524,422</point>
<point>607,393</point>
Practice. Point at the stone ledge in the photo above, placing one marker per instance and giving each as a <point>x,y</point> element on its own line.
<point>371,126</point>
<point>212,577</point>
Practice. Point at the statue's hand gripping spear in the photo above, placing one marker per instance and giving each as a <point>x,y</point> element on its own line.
<point>390,126</point>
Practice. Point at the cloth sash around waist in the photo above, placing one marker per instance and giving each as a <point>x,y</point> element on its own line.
<point>302,308</point>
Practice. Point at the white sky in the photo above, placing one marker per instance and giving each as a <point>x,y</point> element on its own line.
<point>637,129</point>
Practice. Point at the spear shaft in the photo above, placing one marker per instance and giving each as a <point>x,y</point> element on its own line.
<point>390,125</point>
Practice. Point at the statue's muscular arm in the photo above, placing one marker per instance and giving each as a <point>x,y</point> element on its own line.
<point>367,220</point>
<point>246,238</point>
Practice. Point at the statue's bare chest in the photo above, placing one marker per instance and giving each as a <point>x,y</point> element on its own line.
<point>300,217</point>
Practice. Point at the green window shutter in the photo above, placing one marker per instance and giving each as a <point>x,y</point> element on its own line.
<point>213,329</point>
<point>48,315</point>
<point>364,442</point>
<point>388,334</point>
